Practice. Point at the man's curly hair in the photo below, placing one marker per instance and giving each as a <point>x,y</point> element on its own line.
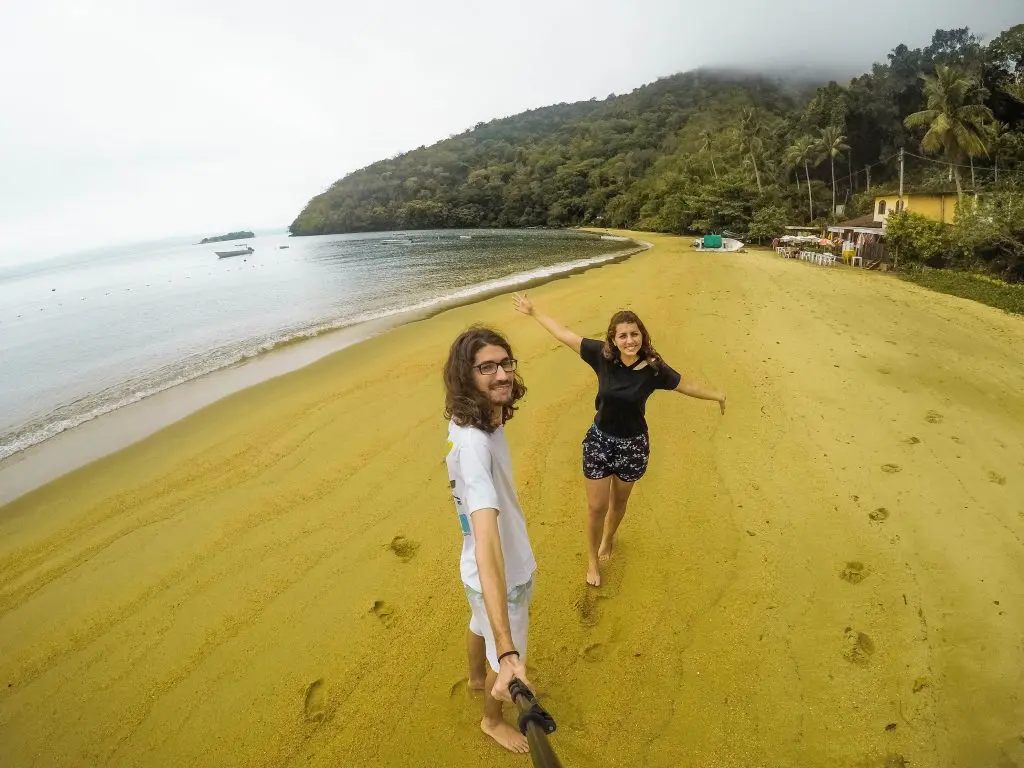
<point>463,402</point>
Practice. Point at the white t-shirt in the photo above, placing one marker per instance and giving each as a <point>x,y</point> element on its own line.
<point>480,473</point>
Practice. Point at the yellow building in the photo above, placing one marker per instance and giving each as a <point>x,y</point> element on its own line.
<point>938,206</point>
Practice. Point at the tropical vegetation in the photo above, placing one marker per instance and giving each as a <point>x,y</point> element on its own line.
<point>709,150</point>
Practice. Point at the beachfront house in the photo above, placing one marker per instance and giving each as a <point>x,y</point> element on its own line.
<point>862,235</point>
<point>865,234</point>
<point>938,206</point>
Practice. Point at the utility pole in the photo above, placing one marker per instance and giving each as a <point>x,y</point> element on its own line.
<point>867,171</point>
<point>900,206</point>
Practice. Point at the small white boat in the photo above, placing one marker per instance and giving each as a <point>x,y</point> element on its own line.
<point>465,237</point>
<point>397,242</point>
<point>244,251</point>
<point>728,245</point>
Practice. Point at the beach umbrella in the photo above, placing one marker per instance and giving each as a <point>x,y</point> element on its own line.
<point>534,723</point>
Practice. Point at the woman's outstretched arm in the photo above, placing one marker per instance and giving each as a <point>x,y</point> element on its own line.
<point>696,390</point>
<point>524,306</point>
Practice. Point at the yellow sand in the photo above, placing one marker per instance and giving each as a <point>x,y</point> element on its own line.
<point>274,581</point>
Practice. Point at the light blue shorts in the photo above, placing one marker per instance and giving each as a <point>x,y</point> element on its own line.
<point>518,619</point>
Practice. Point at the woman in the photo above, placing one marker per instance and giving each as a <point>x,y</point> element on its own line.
<point>616,448</point>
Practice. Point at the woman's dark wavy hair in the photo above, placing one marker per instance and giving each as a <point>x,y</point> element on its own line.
<point>463,402</point>
<point>647,350</point>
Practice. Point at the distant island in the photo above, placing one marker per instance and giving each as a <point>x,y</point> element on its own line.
<point>228,236</point>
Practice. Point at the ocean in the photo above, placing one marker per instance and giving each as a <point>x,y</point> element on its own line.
<point>85,334</point>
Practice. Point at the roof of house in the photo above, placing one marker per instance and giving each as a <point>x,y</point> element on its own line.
<point>924,193</point>
<point>867,220</point>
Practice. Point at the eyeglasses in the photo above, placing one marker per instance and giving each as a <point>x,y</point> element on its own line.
<point>490,368</point>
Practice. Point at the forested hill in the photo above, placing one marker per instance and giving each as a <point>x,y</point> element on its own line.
<point>698,151</point>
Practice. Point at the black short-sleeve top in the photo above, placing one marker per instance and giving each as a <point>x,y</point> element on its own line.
<point>622,391</point>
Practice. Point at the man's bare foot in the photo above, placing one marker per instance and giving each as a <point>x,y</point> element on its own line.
<point>476,686</point>
<point>594,575</point>
<point>506,735</point>
<point>604,554</point>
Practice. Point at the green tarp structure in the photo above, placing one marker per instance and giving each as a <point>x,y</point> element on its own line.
<point>712,241</point>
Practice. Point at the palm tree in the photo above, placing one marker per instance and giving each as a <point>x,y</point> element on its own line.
<point>801,152</point>
<point>708,146</point>
<point>791,162</point>
<point>831,144</point>
<point>750,141</point>
<point>996,131</point>
<point>956,118</point>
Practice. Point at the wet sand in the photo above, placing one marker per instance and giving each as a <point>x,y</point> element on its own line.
<point>831,574</point>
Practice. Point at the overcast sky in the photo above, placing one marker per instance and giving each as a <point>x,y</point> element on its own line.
<point>128,120</point>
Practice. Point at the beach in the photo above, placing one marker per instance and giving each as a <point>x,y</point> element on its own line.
<point>832,573</point>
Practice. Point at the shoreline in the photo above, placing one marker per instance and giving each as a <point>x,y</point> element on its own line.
<point>43,462</point>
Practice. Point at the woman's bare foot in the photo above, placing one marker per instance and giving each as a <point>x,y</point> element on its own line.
<point>476,686</point>
<point>506,735</point>
<point>594,575</point>
<point>604,554</point>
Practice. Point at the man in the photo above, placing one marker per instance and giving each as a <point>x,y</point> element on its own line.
<point>497,565</point>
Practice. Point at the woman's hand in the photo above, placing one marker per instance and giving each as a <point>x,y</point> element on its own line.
<point>522,304</point>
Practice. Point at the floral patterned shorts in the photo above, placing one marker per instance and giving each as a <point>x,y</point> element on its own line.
<point>624,457</point>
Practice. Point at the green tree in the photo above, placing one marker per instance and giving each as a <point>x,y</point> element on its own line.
<point>831,144</point>
<point>1015,90</point>
<point>956,118</point>
<point>750,140</point>
<point>1005,70</point>
<point>991,235</point>
<point>707,145</point>
<point>769,221</point>
<point>916,238</point>
<point>802,152</point>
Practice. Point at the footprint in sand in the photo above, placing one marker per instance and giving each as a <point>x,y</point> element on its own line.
<point>995,477</point>
<point>586,606</point>
<point>933,417</point>
<point>858,647</point>
<point>855,572</point>
<point>912,440</point>
<point>315,703</point>
<point>892,469</point>
<point>383,611</point>
<point>920,684</point>
<point>896,761</point>
<point>595,652</point>
<point>404,548</point>
<point>461,689</point>
<point>878,515</point>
